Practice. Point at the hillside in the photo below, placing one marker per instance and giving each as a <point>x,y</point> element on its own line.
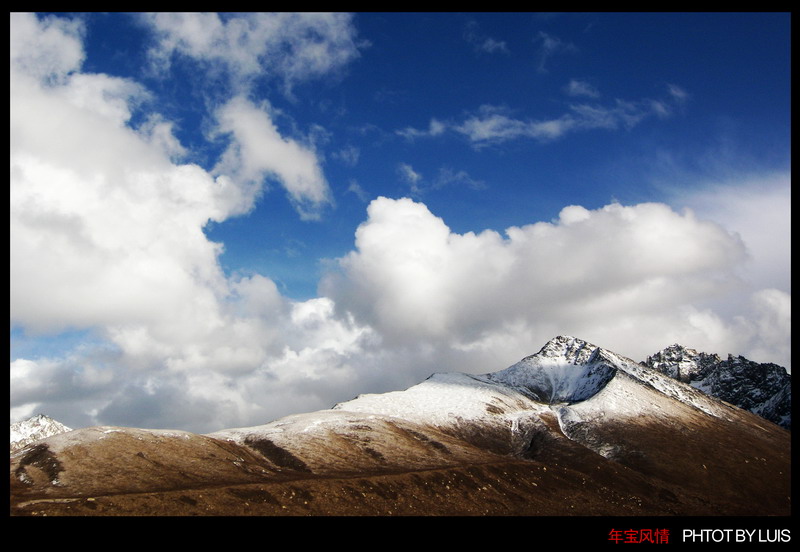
<point>572,430</point>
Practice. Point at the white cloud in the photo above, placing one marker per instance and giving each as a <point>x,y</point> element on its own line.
<point>631,277</point>
<point>492,46</point>
<point>258,151</point>
<point>448,176</point>
<point>577,87</point>
<point>105,205</point>
<point>759,209</point>
<point>348,155</point>
<point>292,47</point>
<point>435,128</point>
<point>49,49</point>
<point>445,176</point>
<point>354,187</point>
<point>481,42</point>
<point>549,46</point>
<point>491,125</point>
<point>409,175</point>
<point>678,93</point>
<point>159,132</point>
<point>107,233</point>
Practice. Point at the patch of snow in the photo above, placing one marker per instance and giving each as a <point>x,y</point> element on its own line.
<point>34,429</point>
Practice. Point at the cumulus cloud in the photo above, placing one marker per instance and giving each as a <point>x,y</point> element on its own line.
<point>758,208</point>
<point>107,234</point>
<point>105,205</point>
<point>47,50</point>
<point>627,276</point>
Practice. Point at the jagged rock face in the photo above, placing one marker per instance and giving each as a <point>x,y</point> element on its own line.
<point>565,370</point>
<point>568,348</point>
<point>682,363</point>
<point>761,388</point>
<point>33,429</point>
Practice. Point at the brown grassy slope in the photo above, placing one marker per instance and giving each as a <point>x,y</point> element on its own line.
<point>723,469</point>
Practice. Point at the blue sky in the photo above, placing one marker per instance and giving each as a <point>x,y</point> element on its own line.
<point>222,219</point>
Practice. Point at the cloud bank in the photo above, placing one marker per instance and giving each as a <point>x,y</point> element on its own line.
<point>605,274</point>
<point>107,237</point>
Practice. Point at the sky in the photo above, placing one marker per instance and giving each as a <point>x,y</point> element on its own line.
<point>221,219</point>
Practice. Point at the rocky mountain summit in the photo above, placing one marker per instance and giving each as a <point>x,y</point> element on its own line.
<point>571,430</point>
<point>762,388</point>
<point>34,429</point>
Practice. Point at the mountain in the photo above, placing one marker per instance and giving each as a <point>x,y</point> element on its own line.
<point>762,388</point>
<point>33,429</point>
<point>572,430</point>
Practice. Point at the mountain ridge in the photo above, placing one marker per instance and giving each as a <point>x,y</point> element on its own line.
<point>761,388</point>
<point>33,429</point>
<point>579,420</point>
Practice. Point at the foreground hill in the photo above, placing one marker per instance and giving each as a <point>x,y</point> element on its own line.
<point>572,430</point>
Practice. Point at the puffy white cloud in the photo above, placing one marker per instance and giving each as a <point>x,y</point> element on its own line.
<point>107,233</point>
<point>631,277</point>
<point>105,228</point>
<point>48,49</point>
<point>758,208</point>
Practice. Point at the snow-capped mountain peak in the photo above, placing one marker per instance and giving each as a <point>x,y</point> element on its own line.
<point>33,429</point>
<point>567,348</point>
<point>762,388</point>
<point>563,422</point>
<point>566,369</point>
<point>682,363</point>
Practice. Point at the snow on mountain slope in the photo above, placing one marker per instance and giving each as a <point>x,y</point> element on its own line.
<point>570,370</point>
<point>761,388</point>
<point>33,429</point>
<point>682,363</point>
<point>569,379</point>
<point>339,442</point>
<point>574,418</point>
